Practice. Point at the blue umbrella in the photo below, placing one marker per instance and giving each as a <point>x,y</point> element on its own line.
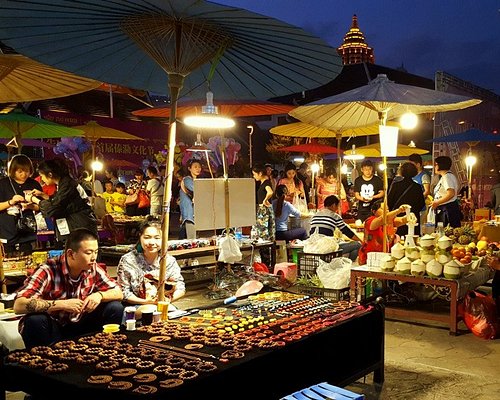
<point>471,136</point>
<point>145,44</point>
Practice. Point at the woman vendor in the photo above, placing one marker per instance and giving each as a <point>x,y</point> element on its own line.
<point>374,230</point>
<point>138,270</point>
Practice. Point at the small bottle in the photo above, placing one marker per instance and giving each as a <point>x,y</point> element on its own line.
<point>440,230</point>
<point>238,234</point>
<point>253,233</point>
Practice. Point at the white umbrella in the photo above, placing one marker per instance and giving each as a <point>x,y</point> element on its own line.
<point>378,101</point>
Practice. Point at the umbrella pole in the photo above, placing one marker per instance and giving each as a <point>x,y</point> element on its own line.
<point>2,274</point>
<point>339,172</point>
<point>175,83</point>
<point>385,206</point>
<point>93,174</point>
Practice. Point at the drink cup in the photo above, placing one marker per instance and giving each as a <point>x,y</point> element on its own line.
<point>163,309</point>
<point>129,312</point>
<point>147,317</point>
<point>156,316</point>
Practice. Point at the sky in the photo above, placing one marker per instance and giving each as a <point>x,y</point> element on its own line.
<point>460,37</point>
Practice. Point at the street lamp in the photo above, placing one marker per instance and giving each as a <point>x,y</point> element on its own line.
<point>408,120</point>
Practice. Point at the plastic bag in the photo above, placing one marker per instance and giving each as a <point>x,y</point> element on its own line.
<point>300,204</point>
<point>431,216</point>
<point>335,274</point>
<point>229,250</point>
<point>41,224</point>
<point>320,244</point>
<point>480,315</point>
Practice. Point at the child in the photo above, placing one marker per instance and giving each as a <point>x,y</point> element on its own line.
<point>108,196</point>
<point>118,199</point>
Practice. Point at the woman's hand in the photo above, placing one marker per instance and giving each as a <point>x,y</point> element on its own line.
<point>434,205</point>
<point>37,192</point>
<point>16,199</point>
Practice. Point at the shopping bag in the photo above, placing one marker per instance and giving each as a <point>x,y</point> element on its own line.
<point>229,250</point>
<point>480,315</point>
<point>144,200</point>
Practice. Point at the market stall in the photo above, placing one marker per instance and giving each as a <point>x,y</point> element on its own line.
<point>231,349</point>
<point>450,290</point>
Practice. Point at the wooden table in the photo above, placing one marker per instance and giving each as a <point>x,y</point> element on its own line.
<point>451,290</point>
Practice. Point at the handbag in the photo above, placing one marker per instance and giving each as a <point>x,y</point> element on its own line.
<point>144,200</point>
<point>26,222</point>
<point>132,199</point>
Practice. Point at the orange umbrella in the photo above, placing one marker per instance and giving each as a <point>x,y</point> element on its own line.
<point>313,148</point>
<point>232,108</point>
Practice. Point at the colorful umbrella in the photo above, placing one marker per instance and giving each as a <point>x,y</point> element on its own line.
<point>145,44</point>
<point>18,125</point>
<point>301,129</point>
<point>470,136</point>
<point>93,132</point>
<point>232,108</point>
<point>313,148</point>
<point>121,164</point>
<point>373,150</point>
<point>23,80</point>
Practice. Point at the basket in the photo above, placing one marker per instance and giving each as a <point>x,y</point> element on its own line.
<point>308,262</point>
<point>332,294</point>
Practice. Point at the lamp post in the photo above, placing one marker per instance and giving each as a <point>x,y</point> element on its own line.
<point>250,144</point>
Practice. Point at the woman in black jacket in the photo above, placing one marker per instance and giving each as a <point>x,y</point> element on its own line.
<point>68,209</point>
<point>404,190</point>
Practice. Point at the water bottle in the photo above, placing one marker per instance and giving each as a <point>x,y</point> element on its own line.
<point>238,234</point>
<point>253,233</point>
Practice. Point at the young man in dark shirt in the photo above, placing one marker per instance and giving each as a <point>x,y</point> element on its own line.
<point>368,188</point>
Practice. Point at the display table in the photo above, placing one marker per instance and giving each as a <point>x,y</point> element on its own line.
<point>339,352</point>
<point>452,290</point>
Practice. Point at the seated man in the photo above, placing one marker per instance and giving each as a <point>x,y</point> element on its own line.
<point>327,219</point>
<point>69,296</point>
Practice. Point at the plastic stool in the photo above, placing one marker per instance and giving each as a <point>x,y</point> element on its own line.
<point>287,270</point>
